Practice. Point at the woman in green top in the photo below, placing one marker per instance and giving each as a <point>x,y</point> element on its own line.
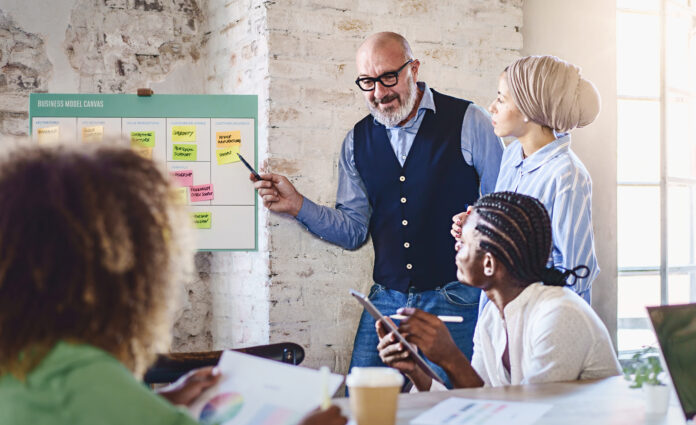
<point>92,249</point>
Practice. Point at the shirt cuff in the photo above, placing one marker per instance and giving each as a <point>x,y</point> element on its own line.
<point>309,212</point>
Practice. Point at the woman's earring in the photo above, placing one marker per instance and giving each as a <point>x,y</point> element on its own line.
<point>526,119</point>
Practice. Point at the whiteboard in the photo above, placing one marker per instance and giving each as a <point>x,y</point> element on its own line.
<point>195,137</point>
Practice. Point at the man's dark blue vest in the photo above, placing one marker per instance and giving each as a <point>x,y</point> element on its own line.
<point>413,205</point>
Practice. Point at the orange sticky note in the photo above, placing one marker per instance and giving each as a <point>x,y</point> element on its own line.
<point>143,151</point>
<point>48,135</point>
<point>227,138</point>
<point>92,134</point>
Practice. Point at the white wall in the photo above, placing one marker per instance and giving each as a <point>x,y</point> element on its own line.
<point>584,33</point>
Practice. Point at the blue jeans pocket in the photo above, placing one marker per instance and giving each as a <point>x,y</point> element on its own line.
<point>460,295</point>
<point>374,290</point>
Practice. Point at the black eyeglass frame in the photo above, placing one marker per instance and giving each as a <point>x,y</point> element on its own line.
<point>378,79</point>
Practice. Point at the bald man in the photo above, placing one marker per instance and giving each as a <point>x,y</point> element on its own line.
<point>419,158</point>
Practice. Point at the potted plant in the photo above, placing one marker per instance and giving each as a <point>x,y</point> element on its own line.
<point>645,371</point>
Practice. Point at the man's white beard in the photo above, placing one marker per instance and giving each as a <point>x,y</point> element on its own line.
<point>393,118</point>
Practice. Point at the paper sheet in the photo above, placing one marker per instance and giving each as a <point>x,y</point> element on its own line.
<point>202,220</point>
<point>228,155</point>
<point>143,138</point>
<point>462,411</point>
<point>256,391</point>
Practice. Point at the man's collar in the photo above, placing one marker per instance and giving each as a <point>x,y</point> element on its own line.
<point>543,155</point>
<point>427,102</point>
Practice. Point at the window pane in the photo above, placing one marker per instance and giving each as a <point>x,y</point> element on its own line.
<point>634,294</point>
<point>679,225</point>
<point>681,140</point>
<point>679,288</point>
<point>646,5</point>
<point>638,54</point>
<point>638,223</point>
<point>638,144</point>
<point>677,53</point>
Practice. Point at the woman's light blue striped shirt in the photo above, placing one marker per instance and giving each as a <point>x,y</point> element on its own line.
<point>557,177</point>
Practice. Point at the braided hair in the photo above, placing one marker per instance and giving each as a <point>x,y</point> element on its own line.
<point>517,230</point>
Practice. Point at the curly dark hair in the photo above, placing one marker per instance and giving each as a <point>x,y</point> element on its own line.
<point>517,230</point>
<point>92,245</point>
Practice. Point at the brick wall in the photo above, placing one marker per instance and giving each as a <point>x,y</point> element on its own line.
<point>298,56</point>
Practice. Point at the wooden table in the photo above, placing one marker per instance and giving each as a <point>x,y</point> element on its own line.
<point>605,401</point>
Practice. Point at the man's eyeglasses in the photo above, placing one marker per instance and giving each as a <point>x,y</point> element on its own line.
<point>388,79</point>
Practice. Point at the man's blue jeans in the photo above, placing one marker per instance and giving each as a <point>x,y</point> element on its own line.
<point>453,299</point>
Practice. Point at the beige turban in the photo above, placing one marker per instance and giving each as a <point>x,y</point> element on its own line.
<point>551,92</point>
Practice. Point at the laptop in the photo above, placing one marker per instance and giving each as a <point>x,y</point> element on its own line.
<point>675,327</point>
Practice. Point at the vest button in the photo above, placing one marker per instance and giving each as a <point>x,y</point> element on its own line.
<point>402,179</point>
<point>407,245</point>
<point>404,222</point>
<point>409,266</point>
<point>403,200</point>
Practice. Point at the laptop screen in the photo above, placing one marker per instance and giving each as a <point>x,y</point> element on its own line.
<point>675,327</point>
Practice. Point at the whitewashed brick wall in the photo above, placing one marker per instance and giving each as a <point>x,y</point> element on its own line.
<point>298,56</point>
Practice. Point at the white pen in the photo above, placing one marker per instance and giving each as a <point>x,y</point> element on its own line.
<point>447,319</point>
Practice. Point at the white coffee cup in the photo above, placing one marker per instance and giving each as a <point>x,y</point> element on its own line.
<point>374,393</point>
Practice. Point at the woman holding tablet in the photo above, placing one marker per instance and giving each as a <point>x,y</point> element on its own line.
<point>533,330</point>
<point>540,100</point>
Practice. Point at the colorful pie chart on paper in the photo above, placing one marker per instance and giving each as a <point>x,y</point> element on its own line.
<point>221,408</point>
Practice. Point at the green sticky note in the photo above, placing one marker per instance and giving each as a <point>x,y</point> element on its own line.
<point>202,220</point>
<point>143,138</point>
<point>183,133</point>
<point>184,152</point>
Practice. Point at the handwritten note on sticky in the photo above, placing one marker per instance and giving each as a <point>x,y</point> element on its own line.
<point>184,152</point>
<point>183,133</point>
<point>92,134</point>
<point>145,152</point>
<point>203,192</point>
<point>143,138</point>
<point>202,220</point>
<point>183,177</point>
<point>228,155</point>
<point>226,138</point>
<point>180,197</point>
<point>48,135</point>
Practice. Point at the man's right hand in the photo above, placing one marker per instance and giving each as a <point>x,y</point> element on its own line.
<point>458,222</point>
<point>278,194</point>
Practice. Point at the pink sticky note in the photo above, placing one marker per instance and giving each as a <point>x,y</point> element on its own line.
<point>183,178</point>
<point>203,192</point>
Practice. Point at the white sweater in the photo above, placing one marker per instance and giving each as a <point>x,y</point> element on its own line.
<point>554,335</point>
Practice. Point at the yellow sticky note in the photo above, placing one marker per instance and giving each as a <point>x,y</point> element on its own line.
<point>184,152</point>
<point>143,138</point>
<point>183,133</point>
<point>202,220</point>
<point>48,135</point>
<point>92,134</point>
<point>229,155</point>
<point>180,196</point>
<point>226,138</point>
<point>143,151</point>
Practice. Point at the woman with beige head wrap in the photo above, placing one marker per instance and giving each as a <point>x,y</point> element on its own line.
<point>540,99</point>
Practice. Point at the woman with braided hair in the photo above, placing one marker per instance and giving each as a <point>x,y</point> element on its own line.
<point>540,100</point>
<point>534,330</point>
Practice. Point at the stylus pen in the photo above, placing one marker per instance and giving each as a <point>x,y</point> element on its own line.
<point>447,319</point>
